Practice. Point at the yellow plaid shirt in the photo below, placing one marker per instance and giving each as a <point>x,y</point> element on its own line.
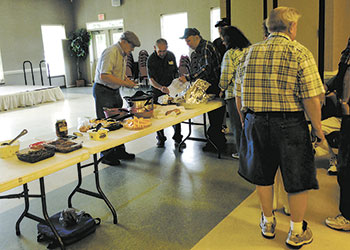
<point>276,74</point>
<point>228,71</point>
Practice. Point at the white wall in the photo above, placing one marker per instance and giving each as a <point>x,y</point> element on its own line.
<point>20,33</point>
<point>143,17</point>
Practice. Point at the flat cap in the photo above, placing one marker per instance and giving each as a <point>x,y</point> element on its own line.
<point>131,38</point>
<point>190,32</point>
<point>222,23</point>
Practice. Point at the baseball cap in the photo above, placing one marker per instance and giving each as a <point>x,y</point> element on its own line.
<point>223,22</point>
<point>190,32</point>
<point>131,38</point>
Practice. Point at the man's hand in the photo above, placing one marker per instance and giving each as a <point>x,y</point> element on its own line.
<point>221,94</point>
<point>129,83</point>
<point>164,90</point>
<point>182,79</point>
<point>323,100</point>
<point>320,138</point>
<point>312,107</point>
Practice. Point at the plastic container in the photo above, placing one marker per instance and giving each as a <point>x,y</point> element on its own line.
<point>100,135</point>
<point>63,145</point>
<point>35,155</point>
<point>7,151</point>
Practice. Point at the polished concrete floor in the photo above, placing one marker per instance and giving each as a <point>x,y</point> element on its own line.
<point>164,199</point>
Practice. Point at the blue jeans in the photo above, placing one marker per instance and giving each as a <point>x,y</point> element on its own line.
<point>235,121</point>
<point>275,139</point>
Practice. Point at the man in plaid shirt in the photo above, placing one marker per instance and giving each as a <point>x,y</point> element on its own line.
<point>276,81</point>
<point>205,65</point>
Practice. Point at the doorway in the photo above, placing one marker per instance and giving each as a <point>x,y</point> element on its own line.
<point>103,35</point>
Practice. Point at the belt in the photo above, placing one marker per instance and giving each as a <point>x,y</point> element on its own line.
<point>104,86</point>
<point>278,114</point>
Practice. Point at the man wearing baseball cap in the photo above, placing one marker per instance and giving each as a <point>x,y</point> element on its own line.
<point>109,77</point>
<point>205,65</point>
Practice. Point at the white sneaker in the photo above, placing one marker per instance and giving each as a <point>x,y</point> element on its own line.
<point>332,170</point>
<point>298,240</point>
<point>268,228</point>
<point>235,156</point>
<point>338,222</point>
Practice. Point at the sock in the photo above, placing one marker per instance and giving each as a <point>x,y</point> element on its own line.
<point>296,227</point>
<point>268,219</point>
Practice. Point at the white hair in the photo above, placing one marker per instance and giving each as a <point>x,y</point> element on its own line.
<point>281,19</point>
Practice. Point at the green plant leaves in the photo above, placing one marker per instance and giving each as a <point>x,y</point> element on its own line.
<point>79,43</point>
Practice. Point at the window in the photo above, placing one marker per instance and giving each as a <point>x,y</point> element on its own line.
<point>52,40</point>
<point>214,17</point>
<point>172,28</point>
<point>2,80</point>
<point>116,34</point>
<point>101,43</point>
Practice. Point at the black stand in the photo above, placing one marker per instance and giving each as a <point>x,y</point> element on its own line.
<point>25,194</point>
<point>100,193</point>
<point>188,137</point>
<point>25,213</point>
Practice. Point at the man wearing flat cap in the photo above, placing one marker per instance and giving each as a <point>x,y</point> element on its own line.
<point>109,77</point>
<point>205,65</point>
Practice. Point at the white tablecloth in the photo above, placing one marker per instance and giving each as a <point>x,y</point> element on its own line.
<point>12,97</point>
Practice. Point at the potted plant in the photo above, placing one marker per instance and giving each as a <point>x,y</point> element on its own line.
<point>79,42</point>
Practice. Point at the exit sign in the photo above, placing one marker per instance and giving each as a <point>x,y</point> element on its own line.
<point>101,17</point>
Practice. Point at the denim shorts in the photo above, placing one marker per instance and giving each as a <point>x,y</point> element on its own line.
<point>274,139</point>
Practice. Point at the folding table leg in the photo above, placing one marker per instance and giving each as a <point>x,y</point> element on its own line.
<point>77,187</point>
<point>188,136</point>
<point>26,208</point>
<point>207,137</point>
<point>100,193</point>
<point>103,196</point>
<point>25,213</point>
<point>46,216</point>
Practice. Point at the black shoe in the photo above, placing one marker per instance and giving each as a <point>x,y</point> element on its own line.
<point>160,144</point>
<point>177,144</point>
<point>111,162</point>
<point>123,155</point>
<point>209,148</point>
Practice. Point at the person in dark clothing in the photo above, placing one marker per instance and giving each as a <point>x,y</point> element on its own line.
<point>338,84</point>
<point>218,43</point>
<point>342,221</point>
<point>162,70</point>
<point>205,65</point>
<point>335,105</point>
